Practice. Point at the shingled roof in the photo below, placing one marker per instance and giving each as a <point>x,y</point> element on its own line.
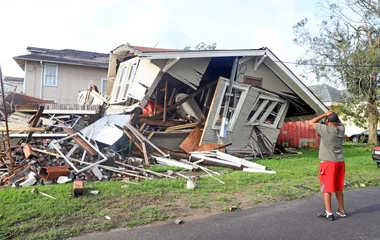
<point>326,93</point>
<point>65,56</point>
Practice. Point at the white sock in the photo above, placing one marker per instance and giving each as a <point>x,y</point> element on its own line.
<point>328,213</point>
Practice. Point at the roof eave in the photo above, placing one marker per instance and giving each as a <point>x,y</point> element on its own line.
<point>298,87</point>
<point>21,62</point>
<point>202,54</point>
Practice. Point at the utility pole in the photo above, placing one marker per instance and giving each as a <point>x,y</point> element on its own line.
<point>6,124</point>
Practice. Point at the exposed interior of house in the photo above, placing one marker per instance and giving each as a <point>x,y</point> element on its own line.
<point>181,96</point>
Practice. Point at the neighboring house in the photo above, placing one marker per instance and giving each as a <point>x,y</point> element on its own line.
<point>333,97</point>
<point>264,93</point>
<point>58,75</point>
<point>12,83</point>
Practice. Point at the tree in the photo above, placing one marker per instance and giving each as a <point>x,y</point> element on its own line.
<point>202,46</point>
<point>346,50</point>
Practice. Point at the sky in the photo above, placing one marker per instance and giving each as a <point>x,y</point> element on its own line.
<point>102,25</point>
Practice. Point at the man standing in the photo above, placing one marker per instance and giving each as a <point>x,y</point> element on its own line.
<point>332,166</point>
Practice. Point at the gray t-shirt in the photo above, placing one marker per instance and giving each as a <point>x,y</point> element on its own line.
<point>331,146</point>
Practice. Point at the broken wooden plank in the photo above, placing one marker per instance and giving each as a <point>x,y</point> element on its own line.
<point>153,122</point>
<point>35,122</point>
<point>145,154</point>
<point>139,135</point>
<point>23,129</point>
<point>133,140</point>
<point>182,126</point>
<point>86,163</point>
<point>165,100</point>
<point>28,151</point>
<point>192,141</point>
<point>81,142</point>
<point>40,135</point>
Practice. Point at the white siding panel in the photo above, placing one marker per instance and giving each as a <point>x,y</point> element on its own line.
<point>146,72</point>
<point>270,80</point>
<point>186,70</point>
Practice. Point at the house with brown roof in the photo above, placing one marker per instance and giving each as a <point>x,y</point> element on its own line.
<point>58,75</point>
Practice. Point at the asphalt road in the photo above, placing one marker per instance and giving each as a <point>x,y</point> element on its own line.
<point>287,220</point>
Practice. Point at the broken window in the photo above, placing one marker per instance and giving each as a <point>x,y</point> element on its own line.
<point>132,71</point>
<point>124,80</point>
<point>120,83</point>
<point>103,87</point>
<point>238,95</point>
<point>267,111</point>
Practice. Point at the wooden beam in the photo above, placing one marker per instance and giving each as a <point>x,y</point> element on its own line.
<point>35,122</point>
<point>165,100</point>
<point>83,144</point>
<point>133,140</point>
<point>23,129</point>
<point>153,122</point>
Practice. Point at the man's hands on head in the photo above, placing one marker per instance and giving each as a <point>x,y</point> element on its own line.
<point>328,113</point>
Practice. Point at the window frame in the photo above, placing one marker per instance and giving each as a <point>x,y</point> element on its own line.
<point>122,80</point>
<point>102,80</point>
<point>235,115</point>
<point>131,73</point>
<point>268,104</point>
<point>56,74</point>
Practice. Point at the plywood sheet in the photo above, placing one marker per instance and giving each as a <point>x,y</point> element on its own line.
<point>192,141</point>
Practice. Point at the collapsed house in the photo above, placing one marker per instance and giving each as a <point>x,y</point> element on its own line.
<point>181,108</point>
<point>237,98</point>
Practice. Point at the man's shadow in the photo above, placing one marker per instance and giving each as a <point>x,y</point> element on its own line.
<point>368,209</point>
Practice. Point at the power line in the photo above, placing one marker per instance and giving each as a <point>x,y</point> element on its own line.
<point>328,65</point>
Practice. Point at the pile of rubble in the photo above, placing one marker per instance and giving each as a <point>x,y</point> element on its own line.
<point>55,143</point>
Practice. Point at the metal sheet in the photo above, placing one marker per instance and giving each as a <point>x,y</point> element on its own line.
<point>298,135</point>
<point>105,131</point>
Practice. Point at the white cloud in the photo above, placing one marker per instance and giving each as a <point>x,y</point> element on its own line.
<point>101,26</point>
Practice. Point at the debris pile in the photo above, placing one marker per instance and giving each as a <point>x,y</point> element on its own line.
<point>61,147</point>
<point>185,109</point>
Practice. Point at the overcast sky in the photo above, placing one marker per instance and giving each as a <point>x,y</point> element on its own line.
<point>101,26</point>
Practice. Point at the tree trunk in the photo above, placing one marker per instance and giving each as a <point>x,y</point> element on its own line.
<point>372,124</point>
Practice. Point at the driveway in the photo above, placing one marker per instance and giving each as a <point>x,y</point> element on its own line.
<point>286,220</point>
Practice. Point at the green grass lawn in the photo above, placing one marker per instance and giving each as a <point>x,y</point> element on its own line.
<point>24,215</point>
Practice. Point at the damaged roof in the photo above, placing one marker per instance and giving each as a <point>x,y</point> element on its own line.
<point>266,57</point>
<point>18,98</point>
<point>13,79</point>
<point>66,56</point>
<point>326,93</point>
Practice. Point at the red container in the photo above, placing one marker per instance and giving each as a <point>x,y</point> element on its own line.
<point>298,135</point>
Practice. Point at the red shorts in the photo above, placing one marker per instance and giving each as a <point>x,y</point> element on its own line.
<point>331,176</point>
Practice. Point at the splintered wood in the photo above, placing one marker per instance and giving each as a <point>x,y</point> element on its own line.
<point>192,141</point>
